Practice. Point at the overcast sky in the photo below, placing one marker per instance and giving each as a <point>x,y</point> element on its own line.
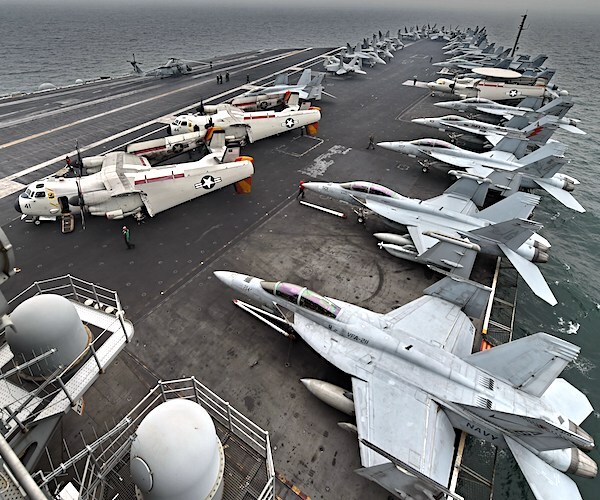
<point>589,6</point>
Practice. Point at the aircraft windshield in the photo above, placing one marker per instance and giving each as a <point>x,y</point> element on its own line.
<point>302,296</point>
<point>454,118</point>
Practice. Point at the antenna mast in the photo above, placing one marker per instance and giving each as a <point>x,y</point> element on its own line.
<point>521,27</point>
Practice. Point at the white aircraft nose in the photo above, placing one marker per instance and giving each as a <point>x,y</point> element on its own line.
<point>393,146</point>
<point>237,281</point>
<point>314,186</point>
<point>443,105</point>
<point>225,277</point>
<point>421,121</point>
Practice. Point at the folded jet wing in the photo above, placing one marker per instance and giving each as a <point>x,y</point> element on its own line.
<point>414,430</point>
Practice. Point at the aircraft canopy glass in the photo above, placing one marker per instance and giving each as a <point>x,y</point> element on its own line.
<point>454,118</point>
<point>371,188</point>
<point>302,296</point>
<point>433,143</point>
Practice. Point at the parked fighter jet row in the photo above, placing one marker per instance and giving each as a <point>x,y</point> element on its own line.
<point>414,378</point>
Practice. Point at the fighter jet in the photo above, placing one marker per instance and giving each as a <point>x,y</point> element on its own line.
<point>535,170</point>
<point>537,133</point>
<point>446,232</point>
<point>369,55</point>
<point>127,185</point>
<point>253,126</point>
<point>414,380</point>
<point>173,67</point>
<point>528,108</point>
<point>333,64</point>
<point>261,98</point>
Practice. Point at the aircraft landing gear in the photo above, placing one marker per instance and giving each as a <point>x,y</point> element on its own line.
<point>361,215</point>
<point>424,166</point>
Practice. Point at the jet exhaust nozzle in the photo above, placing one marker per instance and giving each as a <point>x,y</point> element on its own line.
<point>573,427</point>
<point>540,256</point>
<point>572,461</point>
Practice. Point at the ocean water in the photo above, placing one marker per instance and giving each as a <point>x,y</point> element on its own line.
<point>60,44</point>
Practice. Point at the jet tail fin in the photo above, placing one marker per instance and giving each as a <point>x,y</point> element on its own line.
<point>281,79</point>
<point>470,296</point>
<point>474,188</point>
<point>545,481</point>
<point>531,102</point>
<point>530,364</point>
<point>540,131</point>
<point>314,88</point>
<point>557,107</point>
<point>511,144</point>
<point>305,77</point>
<point>518,206</point>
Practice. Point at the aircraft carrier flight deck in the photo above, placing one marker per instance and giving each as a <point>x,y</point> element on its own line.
<point>185,321</point>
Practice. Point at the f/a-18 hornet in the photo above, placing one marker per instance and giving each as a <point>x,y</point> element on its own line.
<point>308,88</point>
<point>446,232</point>
<point>503,164</point>
<point>414,380</point>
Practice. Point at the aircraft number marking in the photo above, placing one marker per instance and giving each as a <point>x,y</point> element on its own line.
<point>356,338</point>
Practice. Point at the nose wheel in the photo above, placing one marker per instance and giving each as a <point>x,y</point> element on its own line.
<point>361,215</point>
<point>424,166</point>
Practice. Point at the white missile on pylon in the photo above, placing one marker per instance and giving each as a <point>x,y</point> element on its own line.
<point>333,395</point>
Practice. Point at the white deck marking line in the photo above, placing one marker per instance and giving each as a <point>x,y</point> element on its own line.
<point>47,163</point>
<point>127,106</point>
<point>71,107</point>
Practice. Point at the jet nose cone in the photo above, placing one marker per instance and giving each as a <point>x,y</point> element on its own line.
<point>441,104</point>
<point>237,281</point>
<point>393,146</point>
<point>420,121</point>
<point>313,186</point>
<point>18,205</point>
<point>225,277</point>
